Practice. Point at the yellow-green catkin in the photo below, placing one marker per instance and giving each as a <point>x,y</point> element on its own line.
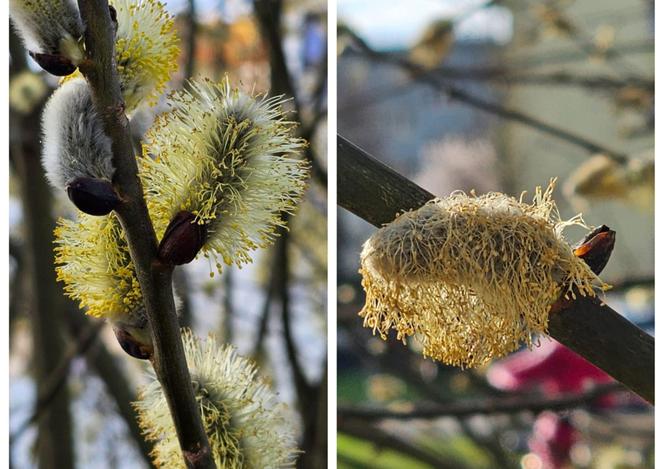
<point>472,277</point>
<point>245,424</point>
<point>146,50</point>
<point>92,259</point>
<point>231,160</point>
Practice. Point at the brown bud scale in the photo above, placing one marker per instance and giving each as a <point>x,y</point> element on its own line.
<point>183,238</point>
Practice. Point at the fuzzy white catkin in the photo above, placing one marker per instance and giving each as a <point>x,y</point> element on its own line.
<point>48,26</point>
<point>74,141</point>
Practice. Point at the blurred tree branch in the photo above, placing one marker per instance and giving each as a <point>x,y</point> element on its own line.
<point>58,376</point>
<point>395,361</point>
<point>495,405</point>
<point>376,193</point>
<point>54,442</point>
<point>564,56</point>
<point>119,388</point>
<point>359,428</point>
<point>268,13</point>
<point>593,82</point>
<point>506,77</point>
<point>154,278</point>
<point>190,39</point>
<point>422,75</point>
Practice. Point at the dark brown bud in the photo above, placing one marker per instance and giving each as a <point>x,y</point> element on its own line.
<point>93,196</point>
<point>596,248</point>
<point>183,238</point>
<point>132,346</point>
<point>54,64</point>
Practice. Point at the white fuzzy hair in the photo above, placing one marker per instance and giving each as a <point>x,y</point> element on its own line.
<point>48,26</point>
<point>74,143</point>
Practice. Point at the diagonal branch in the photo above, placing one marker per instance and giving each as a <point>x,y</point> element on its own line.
<point>376,193</point>
<point>154,278</point>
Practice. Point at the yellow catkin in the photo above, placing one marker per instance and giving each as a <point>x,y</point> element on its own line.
<point>246,425</point>
<point>471,277</point>
<point>92,259</point>
<point>146,50</point>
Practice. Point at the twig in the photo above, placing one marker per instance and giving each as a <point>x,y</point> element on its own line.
<point>422,75</point>
<point>376,193</point>
<point>496,405</point>
<point>154,278</point>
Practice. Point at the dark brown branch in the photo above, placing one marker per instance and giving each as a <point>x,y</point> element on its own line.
<point>497,405</point>
<point>618,347</point>
<point>154,278</point>
<point>376,193</point>
<point>422,75</point>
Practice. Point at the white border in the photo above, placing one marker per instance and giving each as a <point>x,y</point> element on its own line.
<point>331,234</point>
<point>659,227</point>
<point>4,233</point>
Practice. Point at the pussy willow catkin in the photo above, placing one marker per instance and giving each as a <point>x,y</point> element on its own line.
<point>51,27</point>
<point>146,50</point>
<point>229,159</point>
<point>92,259</point>
<point>74,140</point>
<point>245,424</point>
<point>471,277</point>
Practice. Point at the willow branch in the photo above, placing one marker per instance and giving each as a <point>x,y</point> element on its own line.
<point>376,193</point>
<point>495,405</point>
<point>154,278</point>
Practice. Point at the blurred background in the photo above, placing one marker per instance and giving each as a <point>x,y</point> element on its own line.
<point>71,385</point>
<point>500,96</point>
